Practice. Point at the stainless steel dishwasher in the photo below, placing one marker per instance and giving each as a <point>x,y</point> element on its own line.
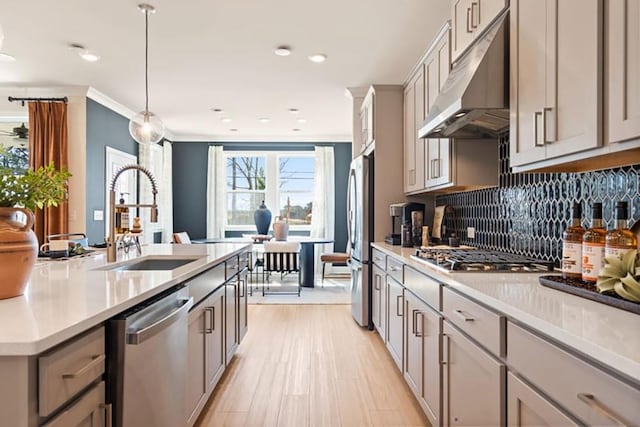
<point>147,348</point>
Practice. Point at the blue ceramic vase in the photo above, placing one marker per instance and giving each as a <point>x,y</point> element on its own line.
<point>262,218</point>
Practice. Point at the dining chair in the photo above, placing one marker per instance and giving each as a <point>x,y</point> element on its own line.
<point>283,258</point>
<point>181,237</point>
<point>333,258</point>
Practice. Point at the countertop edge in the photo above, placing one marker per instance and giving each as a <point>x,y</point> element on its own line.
<point>613,361</point>
<point>32,348</point>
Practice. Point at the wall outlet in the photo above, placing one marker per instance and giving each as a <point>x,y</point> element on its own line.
<point>98,215</point>
<point>471,233</point>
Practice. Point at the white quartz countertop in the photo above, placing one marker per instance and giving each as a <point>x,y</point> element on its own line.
<point>606,334</point>
<point>64,298</point>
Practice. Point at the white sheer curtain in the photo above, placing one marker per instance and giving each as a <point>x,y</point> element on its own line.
<point>216,193</point>
<point>323,213</point>
<point>157,159</point>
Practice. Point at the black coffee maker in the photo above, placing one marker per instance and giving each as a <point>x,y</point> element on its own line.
<point>401,214</point>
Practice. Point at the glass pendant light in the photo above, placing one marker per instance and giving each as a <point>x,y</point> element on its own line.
<point>145,127</point>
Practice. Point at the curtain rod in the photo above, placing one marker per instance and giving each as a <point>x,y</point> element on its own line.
<point>12,99</point>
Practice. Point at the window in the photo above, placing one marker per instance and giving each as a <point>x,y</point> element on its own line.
<point>284,180</point>
<point>14,147</point>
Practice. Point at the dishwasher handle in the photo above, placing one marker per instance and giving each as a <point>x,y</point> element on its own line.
<point>143,334</point>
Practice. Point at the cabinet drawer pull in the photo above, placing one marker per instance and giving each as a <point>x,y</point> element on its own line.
<point>469,20</point>
<point>545,110</point>
<point>474,5</point>
<point>108,410</point>
<point>601,408</point>
<point>535,128</point>
<point>211,328</point>
<point>445,350</point>
<point>465,316</point>
<point>392,268</point>
<point>398,298</point>
<point>414,316</point>
<point>241,286</point>
<point>377,285</point>
<point>420,332</point>
<point>95,361</point>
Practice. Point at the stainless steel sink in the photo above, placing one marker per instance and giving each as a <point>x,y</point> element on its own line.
<point>150,264</point>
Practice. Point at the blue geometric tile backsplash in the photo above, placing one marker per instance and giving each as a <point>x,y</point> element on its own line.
<point>528,212</point>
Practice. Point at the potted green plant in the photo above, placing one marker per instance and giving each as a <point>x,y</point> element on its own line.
<point>45,186</point>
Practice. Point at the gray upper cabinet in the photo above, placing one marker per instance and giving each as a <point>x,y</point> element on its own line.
<point>413,146</point>
<point>556,80</point>
<point>623,72</point>
<point>470,18</point>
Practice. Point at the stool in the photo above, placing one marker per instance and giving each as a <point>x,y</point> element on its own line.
<point>333,258</point>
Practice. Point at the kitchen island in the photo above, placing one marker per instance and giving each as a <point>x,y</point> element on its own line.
<point>74,298</point>
<point>507,344</point>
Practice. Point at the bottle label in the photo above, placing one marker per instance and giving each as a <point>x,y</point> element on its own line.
<point>613,251</point>
<point>592,261</point>
<point>124,220</point>
<point>572,257</point>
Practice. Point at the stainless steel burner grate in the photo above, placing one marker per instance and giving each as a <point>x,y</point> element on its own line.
<point>481,260</point>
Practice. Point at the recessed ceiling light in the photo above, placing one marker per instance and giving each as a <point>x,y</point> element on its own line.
<point>5,57</point>
<point>226,119</point>
<point>294,111</point>
<point>282,51</point>
<point>264,120</point>
<point>233,130</point>
<point>301,120</point>
<point>318,57</point>
<point>296,130</point>
<point>217,110</point>
<point>84,53</point>
<point>89,56</point>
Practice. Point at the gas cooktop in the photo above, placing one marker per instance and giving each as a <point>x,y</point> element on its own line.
<point>478,260</point>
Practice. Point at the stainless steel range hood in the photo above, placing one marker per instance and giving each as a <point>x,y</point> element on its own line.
<point>474,99</point>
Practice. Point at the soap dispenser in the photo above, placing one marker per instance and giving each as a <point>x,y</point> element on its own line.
<point>122,216</point>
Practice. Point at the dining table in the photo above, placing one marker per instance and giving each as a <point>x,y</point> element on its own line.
<point>307,252</point>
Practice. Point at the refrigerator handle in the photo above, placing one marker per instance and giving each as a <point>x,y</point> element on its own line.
<point>350,214</point>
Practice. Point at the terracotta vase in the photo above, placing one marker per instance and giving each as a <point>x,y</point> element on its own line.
<point>18,251</point>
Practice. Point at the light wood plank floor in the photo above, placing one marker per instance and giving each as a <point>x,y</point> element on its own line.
<point>310,365</point>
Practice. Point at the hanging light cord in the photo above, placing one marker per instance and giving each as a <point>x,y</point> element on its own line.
<point>146,61</point>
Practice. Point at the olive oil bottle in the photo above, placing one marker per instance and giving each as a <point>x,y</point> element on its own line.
<point>593,242</point>
<point>122,216</point>
<point>620,240</point>
<point>572,246</point>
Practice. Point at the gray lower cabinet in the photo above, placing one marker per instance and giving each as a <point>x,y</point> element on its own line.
<point>527,408</point>
<point>473,383</point>
<point>88,411</point>
<point>206,352</point>
<point>242,303</point>
<point>422,353</point>
<point>590,394</point>
<point>395,327</point>
<point>378,301</point>
<point>231,319</point>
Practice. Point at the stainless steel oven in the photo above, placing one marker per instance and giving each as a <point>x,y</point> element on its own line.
<point>147,359</point>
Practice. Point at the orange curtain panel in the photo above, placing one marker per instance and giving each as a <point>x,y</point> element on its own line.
<point>48,140</point>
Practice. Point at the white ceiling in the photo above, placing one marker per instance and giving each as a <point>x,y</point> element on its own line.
<point>219,54</point>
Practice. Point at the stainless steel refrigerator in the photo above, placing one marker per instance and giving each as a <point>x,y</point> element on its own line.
<point>360,229</point>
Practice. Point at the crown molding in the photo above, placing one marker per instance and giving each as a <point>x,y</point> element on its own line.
<point>338,139</point>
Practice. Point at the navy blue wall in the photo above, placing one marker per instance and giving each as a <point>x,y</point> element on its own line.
<point>190,183</point>
<point>104,128</point>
